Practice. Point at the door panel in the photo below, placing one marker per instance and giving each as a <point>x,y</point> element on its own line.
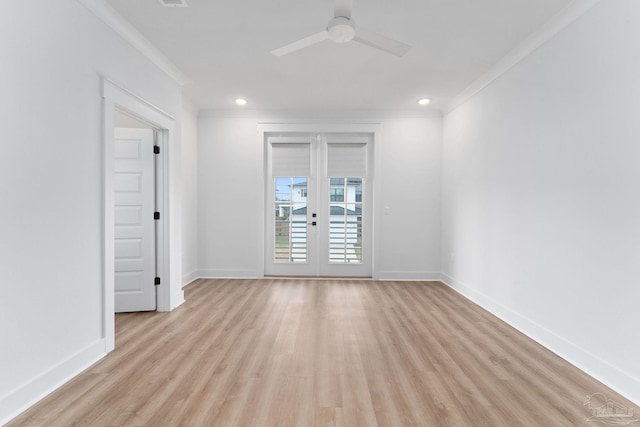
<point>134,186</point>
<point>290,236</point>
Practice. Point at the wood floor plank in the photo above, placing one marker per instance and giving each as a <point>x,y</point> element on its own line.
<point>303,352</point>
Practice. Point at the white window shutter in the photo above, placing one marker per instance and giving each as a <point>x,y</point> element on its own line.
<point>291,159</point>
<point>347,159</point>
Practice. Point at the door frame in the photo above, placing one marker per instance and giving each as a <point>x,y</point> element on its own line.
<point>266,129</point>
<point>114,98</point>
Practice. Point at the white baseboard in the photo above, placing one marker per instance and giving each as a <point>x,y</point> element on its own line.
<point>190,277</point>
<point>408,275</point>
<point>214,273</point>
<point>584,360</point>
<point>25,396</point>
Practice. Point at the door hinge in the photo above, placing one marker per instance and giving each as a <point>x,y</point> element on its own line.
<point>156,281</point>
<point>156,215</point>
<point>156,149</point>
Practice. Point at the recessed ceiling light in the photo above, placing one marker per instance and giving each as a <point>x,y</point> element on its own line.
<point>241,101</point>
<point>424,101</point>
<point>174,3</point>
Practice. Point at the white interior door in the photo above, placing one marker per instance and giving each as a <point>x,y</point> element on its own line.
<point>134,186</point>
<point>319,205</point>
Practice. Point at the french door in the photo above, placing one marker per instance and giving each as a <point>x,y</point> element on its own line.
<point>318,220</point>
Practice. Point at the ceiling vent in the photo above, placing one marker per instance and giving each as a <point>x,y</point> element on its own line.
<point>174,3</point>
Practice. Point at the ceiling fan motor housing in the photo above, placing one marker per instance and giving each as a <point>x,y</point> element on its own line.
<point>341,29</point>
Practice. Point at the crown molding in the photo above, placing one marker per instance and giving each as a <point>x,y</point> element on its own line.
<point>124,29</point>
<point>347,115</point>
<point>556,24</point>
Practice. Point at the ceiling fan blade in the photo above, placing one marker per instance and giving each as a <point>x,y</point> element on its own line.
<point>301,44</point>
<point>381,42</point>
<point>342,8</point>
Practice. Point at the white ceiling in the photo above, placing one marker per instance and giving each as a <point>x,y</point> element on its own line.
<point>223,48</point>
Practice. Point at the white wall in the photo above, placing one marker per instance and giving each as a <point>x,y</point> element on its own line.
<point>229,198</point>
<point>189,192</point>
<point>231,185</point>
<point>541,185</point>
<point>52,56</point>
<point>408,212</point>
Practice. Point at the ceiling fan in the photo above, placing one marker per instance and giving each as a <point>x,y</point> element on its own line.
<point>342,29</point>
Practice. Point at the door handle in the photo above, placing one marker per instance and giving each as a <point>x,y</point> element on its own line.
<point>312,223</point>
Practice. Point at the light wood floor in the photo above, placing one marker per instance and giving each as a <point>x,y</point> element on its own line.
<point>287,352</point>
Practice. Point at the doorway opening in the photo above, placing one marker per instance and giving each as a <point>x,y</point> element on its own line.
<point>124,109</point>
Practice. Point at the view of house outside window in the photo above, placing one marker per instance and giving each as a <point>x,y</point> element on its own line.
<point>345,220</point>
<point>291,219</point>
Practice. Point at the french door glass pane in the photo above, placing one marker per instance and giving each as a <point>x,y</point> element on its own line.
<point>290,237</point>
<point>345,220</point>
